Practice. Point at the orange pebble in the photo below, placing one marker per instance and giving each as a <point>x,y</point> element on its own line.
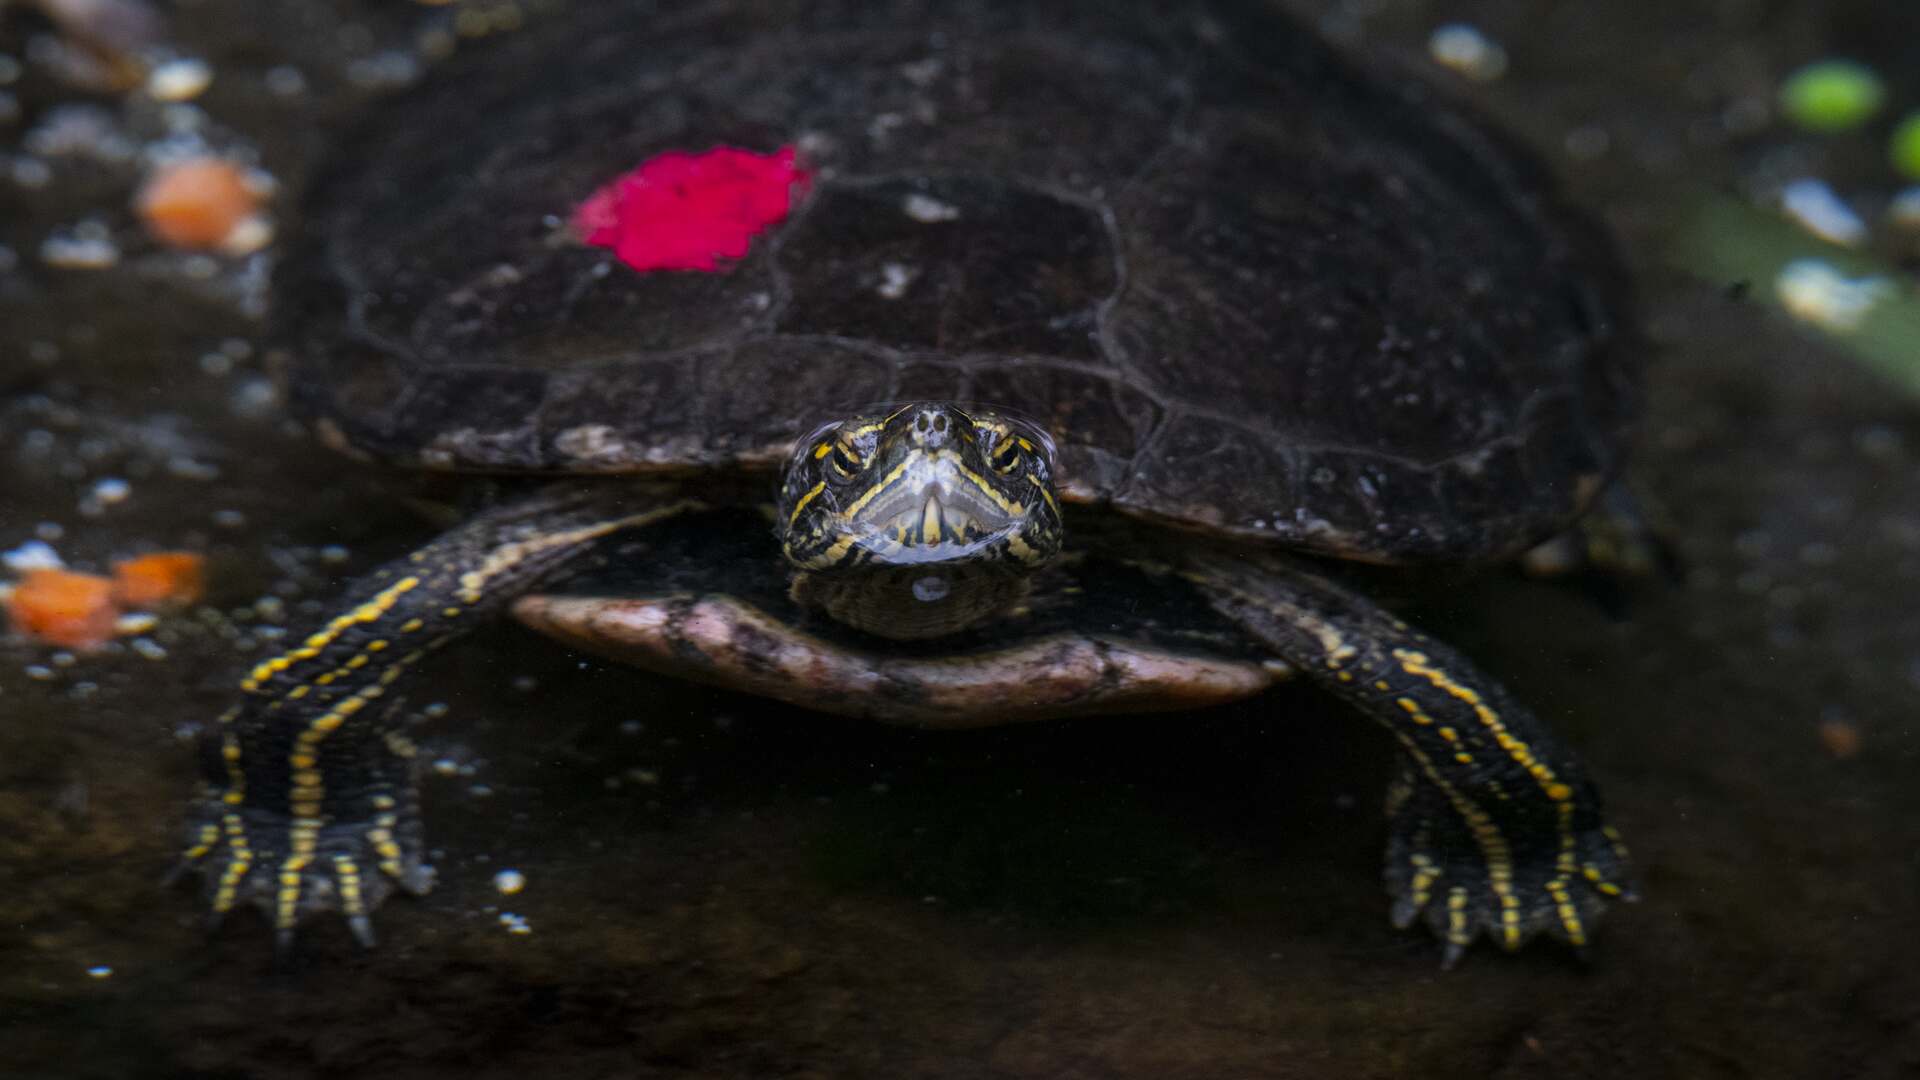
<point>196,203</point>
<point>61,607</point>
<point>164,578</point>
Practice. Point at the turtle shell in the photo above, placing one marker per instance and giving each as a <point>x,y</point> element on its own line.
<point>1251,286</point>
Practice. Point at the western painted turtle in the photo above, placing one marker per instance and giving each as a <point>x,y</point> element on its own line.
<point>1157,299</point>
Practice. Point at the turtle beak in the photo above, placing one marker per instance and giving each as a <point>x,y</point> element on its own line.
<point>936,502</point>
<point>931,520</point>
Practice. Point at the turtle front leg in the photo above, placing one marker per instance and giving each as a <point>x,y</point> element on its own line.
<point>310,800</point>
<point>1495,827</point>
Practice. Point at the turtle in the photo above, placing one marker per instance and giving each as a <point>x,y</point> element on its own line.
<point>1088,342</point>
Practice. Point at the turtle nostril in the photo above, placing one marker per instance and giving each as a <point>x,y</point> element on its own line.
<point>940,422</point>
<point>920,422</point>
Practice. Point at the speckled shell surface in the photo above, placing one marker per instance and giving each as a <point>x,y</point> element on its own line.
<point>1249,287</point>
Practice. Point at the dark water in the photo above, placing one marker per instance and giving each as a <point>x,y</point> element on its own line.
<point>720,888</point>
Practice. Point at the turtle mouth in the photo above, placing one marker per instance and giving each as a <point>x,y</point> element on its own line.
<point>933,508</point>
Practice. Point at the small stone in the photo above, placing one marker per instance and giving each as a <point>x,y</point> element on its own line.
<point>1903,211</point>
<point>894,279</point>
<point>179,80</point>
<point>111,490</point>
<point>1832,95</point>
<point>32,555</point>
<point>202,203</point>
<point>508,882</point>
<point>77,250</point>
<point>1464,49</point>
<point>1814,207</point>
<point>928,210</point>
<point>252,233</point>
<point>286,81</point>
<point>1841,738</point>
<point>1903,149</point>
<point>388,70</point>
<point>1813,291</point>
<point>30,172</point>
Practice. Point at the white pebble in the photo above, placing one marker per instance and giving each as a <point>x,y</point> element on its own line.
<point>927,209</point>
<point>1466,50</point>
<point>179,80</point>
<point>72,251</point>
<point>112,490</point>
<point>252,233</point>
<point>1813,291</point>
<point>32,555</point>
<point>894,279</point>
<point>1814,207</point>
<point>100,971</point>
<point>509,882</point>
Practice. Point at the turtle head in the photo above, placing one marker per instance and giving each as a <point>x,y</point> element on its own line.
<point>920,521</point>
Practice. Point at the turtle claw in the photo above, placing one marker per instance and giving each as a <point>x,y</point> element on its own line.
<point>293,870</point>
<point>1440,873</point>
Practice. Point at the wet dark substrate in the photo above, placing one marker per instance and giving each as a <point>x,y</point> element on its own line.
<point>716,887</point>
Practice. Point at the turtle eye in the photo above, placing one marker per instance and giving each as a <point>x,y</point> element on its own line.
<point>1005,455</point>
<point>844,461</point>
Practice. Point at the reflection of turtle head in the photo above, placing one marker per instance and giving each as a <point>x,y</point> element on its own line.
<point>921,521</point>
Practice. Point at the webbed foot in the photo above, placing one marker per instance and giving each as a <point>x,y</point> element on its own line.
<point>293,868</point>
<point>1510,885</point>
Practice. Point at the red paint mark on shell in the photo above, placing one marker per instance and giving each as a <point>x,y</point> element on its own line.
<point>681,211</point>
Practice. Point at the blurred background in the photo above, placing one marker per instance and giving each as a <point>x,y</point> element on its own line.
<point>641,878</point>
